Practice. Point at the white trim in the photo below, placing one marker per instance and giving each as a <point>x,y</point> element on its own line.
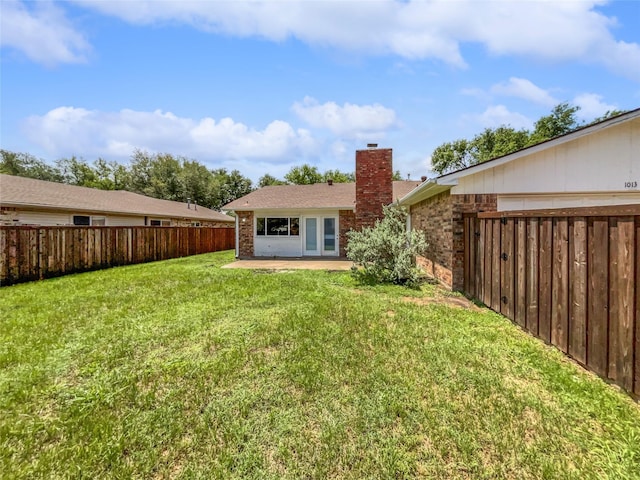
<point>237,236</point>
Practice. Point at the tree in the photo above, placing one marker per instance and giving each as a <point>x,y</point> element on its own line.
<point>338,177</point>
<point>230,187</point>
<point>561,120</point>
<point>386,252</point>
<point>452,156</point>
<point>493,143</point>
<point>267,180</point>
<point>26,165</point>
<point>304,175</point>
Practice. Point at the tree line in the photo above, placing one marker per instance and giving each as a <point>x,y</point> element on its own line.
<point>161,175</point>
<point>500,141</point>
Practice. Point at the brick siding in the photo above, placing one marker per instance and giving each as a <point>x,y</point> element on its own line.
<point>245,234</point>
<point>346,222</point>
<point>441,218</point>
<point>374,184</point>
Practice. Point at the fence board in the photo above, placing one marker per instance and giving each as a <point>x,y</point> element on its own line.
<point>31,253</point>
<point>533,269</point>
<point>495,265</point>
<point>487,233</point>
<point>4,255</point>
<point>621,314</point>
<point>545,279</point>
<point>636,388</point>
<point>598,301</point>
<point>520,257</point>
<point>560,285</point>
<point>507,269</point>
<point>578,292</point>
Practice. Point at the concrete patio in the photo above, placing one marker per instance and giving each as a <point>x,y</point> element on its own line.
<point>292,264</point>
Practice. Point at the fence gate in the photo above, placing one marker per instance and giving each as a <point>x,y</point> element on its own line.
<point>568,277</point>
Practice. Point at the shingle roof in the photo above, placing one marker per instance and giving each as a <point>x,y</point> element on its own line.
<point>319,195</point>
<point>20,191</point>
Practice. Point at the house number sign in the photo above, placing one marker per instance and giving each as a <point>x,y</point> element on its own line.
<point>632,184</point>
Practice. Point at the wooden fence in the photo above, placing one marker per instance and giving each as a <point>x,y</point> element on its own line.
<point>33,253</point>
<point>568,277</point>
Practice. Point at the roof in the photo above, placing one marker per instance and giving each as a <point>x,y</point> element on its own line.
<point>445,182</point>
<point>316,196</point>
<point>28,192</point>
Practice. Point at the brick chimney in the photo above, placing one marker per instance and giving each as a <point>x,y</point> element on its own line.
<point>374,184</point>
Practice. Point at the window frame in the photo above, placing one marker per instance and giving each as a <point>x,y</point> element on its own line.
<point>264,220</point>
<point>163,222</point>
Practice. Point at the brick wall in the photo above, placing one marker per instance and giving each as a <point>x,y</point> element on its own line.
<point>374,184</point>
<point>346,220</point>
<point>433,216</point>
<point>245,234</point>
<point>441,218</point>
<point>8,216</point>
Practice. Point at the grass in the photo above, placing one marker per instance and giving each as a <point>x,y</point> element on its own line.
<point>180,369</point>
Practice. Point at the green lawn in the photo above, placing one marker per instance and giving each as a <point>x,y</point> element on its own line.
<point>180,369</point>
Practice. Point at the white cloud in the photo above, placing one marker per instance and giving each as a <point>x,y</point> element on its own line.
<point>77,131</point>
<point>497,115</point>
<point>347,121</point>
<point>525,89</point>
<point>551,31</point>
<point>42,33</point>
<point>591,106</point>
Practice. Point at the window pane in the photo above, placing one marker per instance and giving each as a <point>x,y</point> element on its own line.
<point>154,223</point>
<point>98,221</point>
<point>277,226</point>
<point>294,227</point>
<point>311,232</point>
<point>260,226</point>
<point>81,220</point>
<point>330,234</point>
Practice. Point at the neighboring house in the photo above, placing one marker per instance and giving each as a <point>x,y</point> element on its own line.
<point>25,201</point>
<point>313,220</point>
<point>595,166</point>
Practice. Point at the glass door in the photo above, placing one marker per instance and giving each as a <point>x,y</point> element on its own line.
<point>311,234</point>
<point>329,236</point>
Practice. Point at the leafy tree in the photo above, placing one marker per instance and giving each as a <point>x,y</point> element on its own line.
<point>492,143</point>
<point>230,186</point>
<point>608,114</point>
<point>26,165</point>
<point>386,252</point>
<point>339,177</point>
<point>561,120</point>
<point>267,180</point>
<point>304,175</point>
<point>452,156</point>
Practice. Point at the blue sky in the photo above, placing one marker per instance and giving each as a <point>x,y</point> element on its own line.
<point>263,86</point>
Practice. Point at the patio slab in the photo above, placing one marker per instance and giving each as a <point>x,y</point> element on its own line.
<point>292,264</point>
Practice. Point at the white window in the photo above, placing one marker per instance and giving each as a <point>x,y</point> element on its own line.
<point>278,226</point>
<point>98,221</point>
<point>159,222</point>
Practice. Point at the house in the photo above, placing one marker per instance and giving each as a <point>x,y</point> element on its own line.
<point>595,166</point>
<point>26,201</point>
<point>313,220</point>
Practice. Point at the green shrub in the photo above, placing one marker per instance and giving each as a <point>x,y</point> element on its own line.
<point>386,252</point>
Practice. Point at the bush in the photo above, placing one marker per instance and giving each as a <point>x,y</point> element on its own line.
<point>386,252</point>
